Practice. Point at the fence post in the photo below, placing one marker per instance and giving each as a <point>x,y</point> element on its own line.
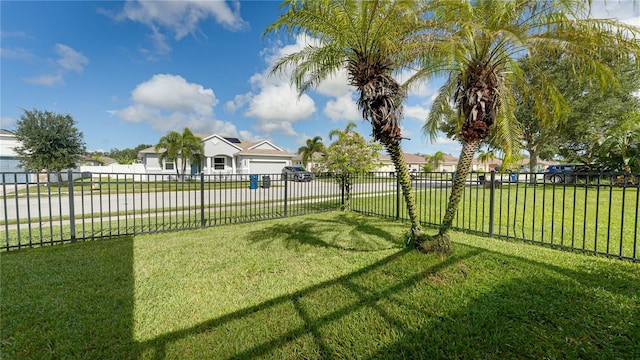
<point>72,220</point>
<point>286,186</point>
<point>342,186</point>
<point>397,196</point>
<point>202,199</point>
<point>492,202</point>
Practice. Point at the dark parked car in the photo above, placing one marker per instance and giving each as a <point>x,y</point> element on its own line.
<point>296,173</point>
<point>561,173</point>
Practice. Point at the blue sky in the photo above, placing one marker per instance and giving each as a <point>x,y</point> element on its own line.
<point>129,72</point>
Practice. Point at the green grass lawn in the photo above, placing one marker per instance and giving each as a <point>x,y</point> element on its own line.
<point>603,220</point>
<point>331,285</point>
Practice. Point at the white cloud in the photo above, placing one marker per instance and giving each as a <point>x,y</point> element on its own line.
<point>6,122</point>
<point>180,18</point>
<point>169,102</point>
<point>416,112</point>
<point>443,140</point>
<point>173,92</point>
<point>18,53</point>
<point>70,59</point>
<point>343,108</point>
<point>337,85</point>
<point>46,80</point>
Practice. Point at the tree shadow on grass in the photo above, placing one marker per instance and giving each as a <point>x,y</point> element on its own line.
<point>343,232</point>
<point>410,306</point>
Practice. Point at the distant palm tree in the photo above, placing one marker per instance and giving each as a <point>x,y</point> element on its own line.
<point>478,44</point>
<point>186,147</point>
<point>435,160</point>
<point>486,156</point>
<point>348,129</point>
<point>313,146</point>
<point>368,39</point>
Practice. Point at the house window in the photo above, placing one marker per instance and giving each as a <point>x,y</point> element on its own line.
<point>169,166</point>
<point>218,163</point>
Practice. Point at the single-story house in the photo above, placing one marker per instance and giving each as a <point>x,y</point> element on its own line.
<point>8,160</point>
<point>312,163</point>
<point>414,162</point>
<point>97,161</point>
<point>224,155</point>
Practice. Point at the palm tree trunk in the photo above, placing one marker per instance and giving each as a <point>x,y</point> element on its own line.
<point>462,171</point>
<point>400,163</point>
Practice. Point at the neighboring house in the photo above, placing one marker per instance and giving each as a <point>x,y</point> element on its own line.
<point>97,161</point>
<point>485,166</point>
<point>224,155</point>
<point>312,164</point>
<point>9,161</point>
<point>414,162</point>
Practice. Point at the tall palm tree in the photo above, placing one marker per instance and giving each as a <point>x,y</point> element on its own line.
<point>313,146</point>
<point>368,39</point>
<point>477,44</point>
<point>186,147</point>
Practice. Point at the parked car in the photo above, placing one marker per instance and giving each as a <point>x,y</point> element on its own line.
<point>296,173</point>
<point>560,173</point>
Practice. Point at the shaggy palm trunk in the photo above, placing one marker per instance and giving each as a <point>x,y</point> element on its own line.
<point>462,171</point>
<point>404,178</point>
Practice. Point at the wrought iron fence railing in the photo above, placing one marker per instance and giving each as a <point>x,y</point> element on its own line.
<point>590,212</point>
<point>49,210</point>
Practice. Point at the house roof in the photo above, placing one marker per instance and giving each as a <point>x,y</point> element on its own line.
<point>245,147</point>
<point>409,158</point>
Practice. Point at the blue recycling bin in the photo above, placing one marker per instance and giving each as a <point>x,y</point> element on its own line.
<point>253,184</point>
<point>514,177</point>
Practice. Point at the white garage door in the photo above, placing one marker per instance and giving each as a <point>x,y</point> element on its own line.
<point>267,166</point>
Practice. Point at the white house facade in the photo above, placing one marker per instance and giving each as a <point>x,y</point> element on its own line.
<point>9,162</point>
<point>224,155</point>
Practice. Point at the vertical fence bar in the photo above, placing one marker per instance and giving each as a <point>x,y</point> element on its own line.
<point>492,202</point>
<point>397,196</point>
<point>6,217</point>
<point>72,220</point>
<point>202,223</point>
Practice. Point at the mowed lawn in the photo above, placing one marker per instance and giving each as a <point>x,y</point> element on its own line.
<point>332,285</point>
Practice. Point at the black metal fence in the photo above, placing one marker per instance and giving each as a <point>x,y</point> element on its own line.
<point>595,213</point>
<point>49,211</point>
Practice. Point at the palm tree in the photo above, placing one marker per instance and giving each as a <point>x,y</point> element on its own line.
<point>341,134</point>
<point>313,146</point>
<point>185,146</point>
<point>367,38</point>
<point>435,160</point>
<point>477,44</point>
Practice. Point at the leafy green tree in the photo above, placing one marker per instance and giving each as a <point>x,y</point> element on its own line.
<point>539,139</point>
<point>369,39</point>
<point>127,153</point>
<point>478,44</point>
<point>579,136</point>
<point>186,147</point>
<point>349,155</point>
<point>49,141</point>
<point>313,146</point>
